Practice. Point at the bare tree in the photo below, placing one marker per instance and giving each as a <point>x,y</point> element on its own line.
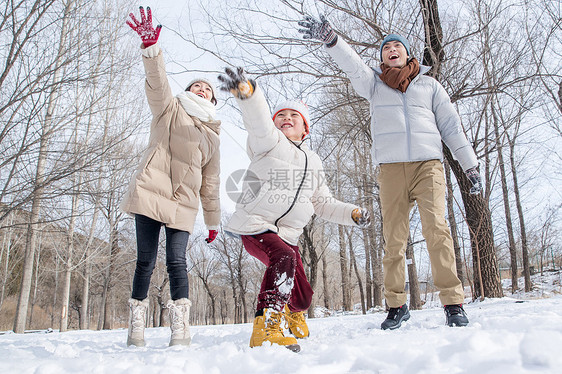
<point>478,215</point>
<point>21,313</point>
<point>205,266</point>
<point>234,258</point>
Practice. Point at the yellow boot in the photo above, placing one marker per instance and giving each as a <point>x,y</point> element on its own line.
<point>297,323</point>
<point>267,328</point>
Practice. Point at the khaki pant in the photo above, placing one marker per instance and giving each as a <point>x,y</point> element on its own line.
<point>402,184</point>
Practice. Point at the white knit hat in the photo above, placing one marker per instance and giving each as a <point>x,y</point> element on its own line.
<point>214,98</point>
<point>296,105</point>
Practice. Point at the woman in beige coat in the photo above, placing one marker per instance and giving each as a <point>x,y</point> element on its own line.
<point>180,168</point>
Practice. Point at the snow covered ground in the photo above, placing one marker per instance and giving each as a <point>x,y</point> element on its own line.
<point>505,335</point>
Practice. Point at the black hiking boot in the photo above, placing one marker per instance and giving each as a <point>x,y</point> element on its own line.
<point>455,315</point>
<point>395,317</point>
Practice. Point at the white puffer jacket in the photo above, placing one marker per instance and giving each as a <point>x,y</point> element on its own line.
<point>291,179</point>
<point>408,126</point>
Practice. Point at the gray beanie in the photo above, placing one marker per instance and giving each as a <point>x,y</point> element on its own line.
<point>213,98</point>
<point>399,38</point>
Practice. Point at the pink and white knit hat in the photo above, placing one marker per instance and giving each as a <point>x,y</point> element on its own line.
<point>298,106</point>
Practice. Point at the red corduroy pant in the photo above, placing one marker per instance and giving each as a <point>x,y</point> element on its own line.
<point>284,281</point>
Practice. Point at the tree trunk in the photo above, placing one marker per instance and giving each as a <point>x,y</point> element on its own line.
<point>7,249</point>
<point>55,293</point>
<point>433,53</point>
<point>345,287</point>
<point>479,220</point>
<point>212,299</point>
<point>242,287</point>
<point>84,306</point>
<point>359,281</point>
<point>453,224</point>
<point>66,294</point>
<point>309,253</point>
<point>415,299</point>
<point>68,263</point>
<point>377,252</point>
<point>366,234</point>
<point>507,210</point>
<point>368,278</point>
<point>35,286</point>
<point>478,214</point>
<point>325,283</point>
<point>27,273</point>
<point>524,246</point>
<point>110,270</point>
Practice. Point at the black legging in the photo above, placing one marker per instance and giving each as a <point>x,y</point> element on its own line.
<point>148,232</point>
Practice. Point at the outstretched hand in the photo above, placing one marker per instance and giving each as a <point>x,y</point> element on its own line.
<point>361,217</point>
<point>212,236</point>
<point>148,34</point>
<point>318,30</point>
<point>474,176</point>
<point>236,83</point>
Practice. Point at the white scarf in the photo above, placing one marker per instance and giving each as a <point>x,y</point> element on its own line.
<point>197,106</point>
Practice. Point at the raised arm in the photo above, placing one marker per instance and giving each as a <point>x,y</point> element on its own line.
<point>157,88</point>
<point>362,77</point>
<point>262,133</point>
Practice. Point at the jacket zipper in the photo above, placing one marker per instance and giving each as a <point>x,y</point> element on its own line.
<point>407,120</point>
<point>298,189</point>
<point>407,123</point>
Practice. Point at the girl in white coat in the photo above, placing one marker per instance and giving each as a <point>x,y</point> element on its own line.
<point>291,187</point>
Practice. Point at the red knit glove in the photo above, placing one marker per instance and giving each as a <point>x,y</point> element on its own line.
<point>212,236</point>
<point>149,35</point>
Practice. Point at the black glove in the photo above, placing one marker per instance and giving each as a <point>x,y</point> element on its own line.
<point>318,30</point>
<point>474,176</point>
<point>361,217</point>
<point>237,83</point>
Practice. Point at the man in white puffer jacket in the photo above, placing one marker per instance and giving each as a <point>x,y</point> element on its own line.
<point>292,189</point>
<point>410,115</point>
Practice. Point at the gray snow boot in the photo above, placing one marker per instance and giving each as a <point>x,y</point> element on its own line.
<point>455,315</point>
<point>138,310</point>
<point>395,317</point>
<point>179,321</point>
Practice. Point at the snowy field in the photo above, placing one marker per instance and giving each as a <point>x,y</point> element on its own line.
<point>505,335</point>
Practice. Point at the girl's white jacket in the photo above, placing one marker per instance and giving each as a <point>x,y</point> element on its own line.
<point>285,183</point>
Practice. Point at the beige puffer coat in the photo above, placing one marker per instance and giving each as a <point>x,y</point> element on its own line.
<point>181,164</point>
<point>291,179</point>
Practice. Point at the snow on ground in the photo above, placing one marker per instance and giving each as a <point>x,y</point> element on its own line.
<point>505,335</point>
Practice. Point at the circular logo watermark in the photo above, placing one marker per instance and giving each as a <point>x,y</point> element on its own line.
<point>243,186</point>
